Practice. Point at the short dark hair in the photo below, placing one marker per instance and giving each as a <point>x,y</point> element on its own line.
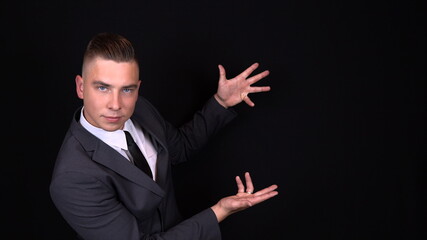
<point>110,46</point>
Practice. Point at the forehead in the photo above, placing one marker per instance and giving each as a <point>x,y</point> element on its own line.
<point>103,70</point>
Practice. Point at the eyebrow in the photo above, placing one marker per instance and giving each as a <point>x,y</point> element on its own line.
<point>101,83</point>
<point>109,85</point>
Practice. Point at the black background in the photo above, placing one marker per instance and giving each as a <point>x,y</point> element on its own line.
<point>342,131</point>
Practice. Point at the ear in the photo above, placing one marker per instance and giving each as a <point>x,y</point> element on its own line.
<point>79,86</point>
<point>138,86</point>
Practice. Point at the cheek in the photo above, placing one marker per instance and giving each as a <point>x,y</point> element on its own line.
<point>93,101</point>
<point>130,104</point>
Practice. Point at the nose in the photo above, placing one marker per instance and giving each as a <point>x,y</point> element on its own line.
<point>114,102</point>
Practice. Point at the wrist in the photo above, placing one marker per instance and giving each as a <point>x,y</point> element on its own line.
<point>219,212</point>
<point>220,100</point>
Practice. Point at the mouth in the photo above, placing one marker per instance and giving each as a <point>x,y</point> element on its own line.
<point>112,119</point>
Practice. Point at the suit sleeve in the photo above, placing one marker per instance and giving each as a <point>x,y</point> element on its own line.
<point>185,141</point>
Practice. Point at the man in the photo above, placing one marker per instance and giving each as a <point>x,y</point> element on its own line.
<point>97,184</point>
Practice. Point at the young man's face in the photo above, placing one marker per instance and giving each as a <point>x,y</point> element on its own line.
<point>109,91</point>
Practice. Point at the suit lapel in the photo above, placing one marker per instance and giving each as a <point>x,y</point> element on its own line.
<point>110,158</point>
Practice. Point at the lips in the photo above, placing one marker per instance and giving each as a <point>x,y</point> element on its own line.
<point>112,119</point>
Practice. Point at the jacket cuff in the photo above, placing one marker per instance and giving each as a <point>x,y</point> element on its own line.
<point>214,104</point>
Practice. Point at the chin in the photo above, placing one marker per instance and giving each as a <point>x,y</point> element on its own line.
<point>112,128</point>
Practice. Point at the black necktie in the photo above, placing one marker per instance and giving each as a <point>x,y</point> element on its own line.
<point>138,157</point>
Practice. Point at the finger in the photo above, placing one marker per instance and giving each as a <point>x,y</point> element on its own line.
<point>249,101</point>
<point>258,77</point>
<point>261,198</point>
<point>249,70</point>
<point>266,190</point>
<point>240,186</point>
<point>259,89</point>
<point>222,74</point>
<point>249,184</point>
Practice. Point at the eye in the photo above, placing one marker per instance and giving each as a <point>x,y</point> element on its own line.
<point>102,88</point>
<point>127,90</point>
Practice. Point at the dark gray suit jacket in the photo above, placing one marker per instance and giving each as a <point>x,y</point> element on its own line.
<point>103,196</point>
